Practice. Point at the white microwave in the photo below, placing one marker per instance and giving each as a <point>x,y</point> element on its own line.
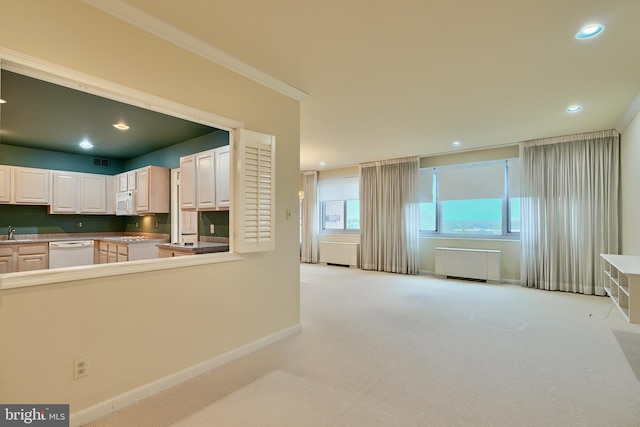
<point>125,203</point>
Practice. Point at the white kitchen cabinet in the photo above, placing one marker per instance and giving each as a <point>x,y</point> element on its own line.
<point>5,184</point>
<point>31,186</point>
<point>74,192</point>
<point>64,193</point>
<point>33,256</point>
<point>126,181</point>
<point>223,176</point>
<point>93,194</point>
<point>152,190</point>
<point>131,180</point>
<point>188,182</point>
<point>121,180</point>
<point>204,180</point>
<point>7,265</point>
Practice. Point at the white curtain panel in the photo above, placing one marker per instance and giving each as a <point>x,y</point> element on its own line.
<point>309,230</point>
<point>569,202</point>
<point>390,215</point>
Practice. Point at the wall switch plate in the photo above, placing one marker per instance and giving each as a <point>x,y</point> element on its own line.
<point>211,228</point>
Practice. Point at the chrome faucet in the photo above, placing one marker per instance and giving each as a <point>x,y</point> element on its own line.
<point>11,233</point>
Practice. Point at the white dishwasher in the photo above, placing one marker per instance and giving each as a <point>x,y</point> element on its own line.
<point>70,253</point>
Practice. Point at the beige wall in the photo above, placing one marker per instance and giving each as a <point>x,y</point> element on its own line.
<point>629,184</point>
<point>139,328</point>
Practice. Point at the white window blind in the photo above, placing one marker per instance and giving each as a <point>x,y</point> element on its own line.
<point>426,185</point>
<point>255,227</point>
<point>477,181</point>
<point>514,177</point>
<point>342,188</point>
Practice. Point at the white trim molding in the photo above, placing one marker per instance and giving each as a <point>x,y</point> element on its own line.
<point>118,402</point>
<point>146,22</point>
<point>631,112</point>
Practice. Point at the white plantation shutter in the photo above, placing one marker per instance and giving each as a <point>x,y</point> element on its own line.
<point>255,226</point>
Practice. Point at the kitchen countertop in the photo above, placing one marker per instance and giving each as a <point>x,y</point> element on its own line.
<point>62,237</point>
<point>196,248</point>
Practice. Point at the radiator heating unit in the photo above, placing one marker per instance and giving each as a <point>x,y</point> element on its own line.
<point>477,264</point>
<point>340,253</point>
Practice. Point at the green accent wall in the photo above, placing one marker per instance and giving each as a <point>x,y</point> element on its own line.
<point>220,221</point>
<point>44,159</point>
<point>36,220</point>
<point>147,224</point>
<point>169,157</point>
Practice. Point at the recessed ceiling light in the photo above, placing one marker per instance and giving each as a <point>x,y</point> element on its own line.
<point>589,31</point>
<point>323,164</point>
<point>456,144</point>
<point>573,108</point>
<point>86,144</point>
<point>120,126</point>
<point>3,101</point>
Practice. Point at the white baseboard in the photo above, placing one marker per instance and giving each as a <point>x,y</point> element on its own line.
<point>111,405</point>
<point>509,281</point>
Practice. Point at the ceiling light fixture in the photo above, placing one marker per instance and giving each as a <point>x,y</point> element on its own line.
<point>120,126</point>
<point>86,145</point>
<point>589,31</point>
<point>456,144</point>
<point>323,164</point>
<point>573,108</point>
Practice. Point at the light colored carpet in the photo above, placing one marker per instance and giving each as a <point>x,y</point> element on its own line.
<point>381,349</point>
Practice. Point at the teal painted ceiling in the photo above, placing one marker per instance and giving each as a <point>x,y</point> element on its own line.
<point>47,116</point>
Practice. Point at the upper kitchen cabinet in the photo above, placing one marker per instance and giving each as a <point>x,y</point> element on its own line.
<point>126,181</point>
<point>5,184</point>
<point>204,180</point>
<point>79,193</point>
<point>152,190</point>
<point>223,176</point>
<point>188,182</point>
<point>30,186</point>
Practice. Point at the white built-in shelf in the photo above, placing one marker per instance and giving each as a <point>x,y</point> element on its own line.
<point>622,283</point>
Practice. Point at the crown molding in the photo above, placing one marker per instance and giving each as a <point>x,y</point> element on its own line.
<point>628,116</point>
<point>144,21</point>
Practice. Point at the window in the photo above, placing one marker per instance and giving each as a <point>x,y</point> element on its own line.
<point>476,200</point>
<point>339,204</point>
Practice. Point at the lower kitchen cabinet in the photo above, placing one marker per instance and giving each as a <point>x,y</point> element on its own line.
<point>6,260</point>
<point>168,253</point>
<point>24,257</point>
<point>109,252</point>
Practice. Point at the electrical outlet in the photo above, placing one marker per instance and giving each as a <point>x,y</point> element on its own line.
<point>157,224</point>
<point>79,224</point>
<point>136,225</point>
<point>80,367</point>
<point>211,228</point>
